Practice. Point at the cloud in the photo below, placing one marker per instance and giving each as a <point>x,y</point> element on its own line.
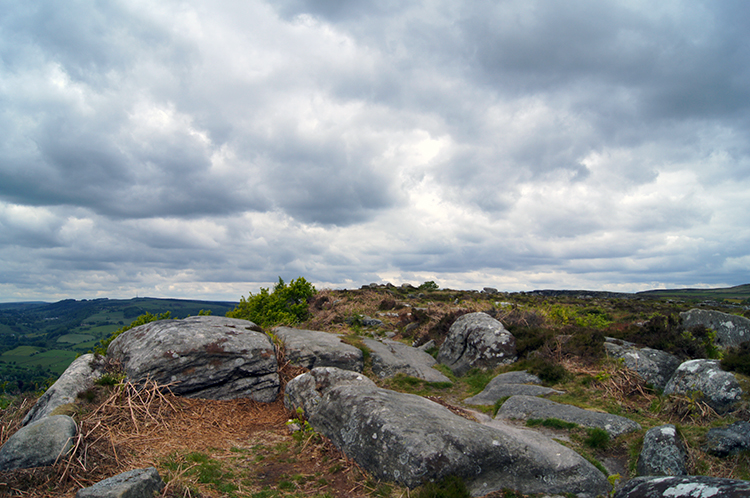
<point>210,147</point>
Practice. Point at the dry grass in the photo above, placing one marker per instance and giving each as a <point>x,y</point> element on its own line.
<point>140,426</point>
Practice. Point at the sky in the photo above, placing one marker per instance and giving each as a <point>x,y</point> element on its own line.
<point>203,149</point>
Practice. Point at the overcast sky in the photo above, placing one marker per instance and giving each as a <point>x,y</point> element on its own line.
<point>202,149</point>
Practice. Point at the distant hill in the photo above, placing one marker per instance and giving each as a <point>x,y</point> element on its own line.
<point>39,340</point>
<point>737,294</point>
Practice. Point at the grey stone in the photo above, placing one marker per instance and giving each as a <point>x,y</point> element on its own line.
<point>663,453</point>
<point>208,357</point>
<point>311,348</point>
<point>409,439</point>
<point>729,440</point>
<point>392,357</point>
<point>138,483</point>
<point>477,340</point>
<point>371,322</point>
<point>731,330</point>
<point>683,487</point>
<point>720,389</point>
<point>526,407</point>
<point>39,444</point>
<point>77,378</point>
<point>510,384</point>
<point>652,365</point>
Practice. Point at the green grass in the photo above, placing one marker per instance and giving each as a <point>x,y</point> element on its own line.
<point>552,423</point>
<point>75,338</point>
<point>57,360</point>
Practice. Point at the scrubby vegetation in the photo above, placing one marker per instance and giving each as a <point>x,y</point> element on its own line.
<point>287,304</point>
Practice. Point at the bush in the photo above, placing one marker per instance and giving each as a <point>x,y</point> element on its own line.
<point>737,359</point>
<point>286,305</point>
<point>597,438</point>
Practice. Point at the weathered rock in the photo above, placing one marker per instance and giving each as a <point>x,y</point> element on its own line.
<point>652,365</point>
<point>683,487</point>
<point>77,378</point>
<point>392,357</point>
<point>409,439</point>
<point>311,348</point>
<point>510,384</point>
<point>663,453</point>
<point>38,444</point>
<point>729,440</point>
<point>477,340</point>
<point>720,389</point>
<point>731,330</point>
<point>138,483</point>
<point>208,357</point>
<point>526,407</point>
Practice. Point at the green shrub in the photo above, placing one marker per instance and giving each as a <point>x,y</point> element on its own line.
<point>548,371</point>
<point>101,348</point>
<point>286,305</point>
<point>737,359</point>
<point>448,487</point>
<point>597,438</point>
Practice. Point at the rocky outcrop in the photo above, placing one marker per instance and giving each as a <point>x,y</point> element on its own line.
<point>731,330</point>
<point>663,453</point>
<point>652,365</point>
<point>720,389</point>
<point>684,487</point>
<point>207,357</point>
<point>409,439</point>
<point>311,348</point>
<point>392,357</point>
<point>38,444</point>
<point>510,384</point>
<point>138,483</point>
<point>527,407</point>
<point>729,440</point>
<point>477,340</point>
<point>77,378</point>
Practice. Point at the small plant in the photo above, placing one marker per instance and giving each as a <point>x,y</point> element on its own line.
<point>597,438</point>
<point>498,404</point>
<point>110,379</point>
<point>448,487</point>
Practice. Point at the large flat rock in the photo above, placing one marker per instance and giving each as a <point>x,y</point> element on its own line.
<point>392,357</point>
<point>528,407</point>
<point>683,487</point>
<point>208,357</point>
<point>510,384</point>
<point>409,439</point>
<point>312,348</point>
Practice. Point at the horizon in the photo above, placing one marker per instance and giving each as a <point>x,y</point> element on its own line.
<point>202,149</point>
<point>359,288</point>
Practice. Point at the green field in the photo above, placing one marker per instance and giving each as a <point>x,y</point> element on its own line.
<point>56,360</point>
<point>75,338</point>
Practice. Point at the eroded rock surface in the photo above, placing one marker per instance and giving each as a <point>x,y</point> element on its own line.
<point>731,330</point>
<point>208,357</point>
<point>652,365</point>
<point>409,439</point>
<point>526,407</point>
<point>663,453</point>
<point>720,389</point>
<point>77,378</point>
<point>311,348</point>
<point>392,357</point>
<point>477,340</point>
<point>510,384</point>
<point>729,440</point>
<point>683,487</point>
<point>138,483</point>
<point>39,444</point>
